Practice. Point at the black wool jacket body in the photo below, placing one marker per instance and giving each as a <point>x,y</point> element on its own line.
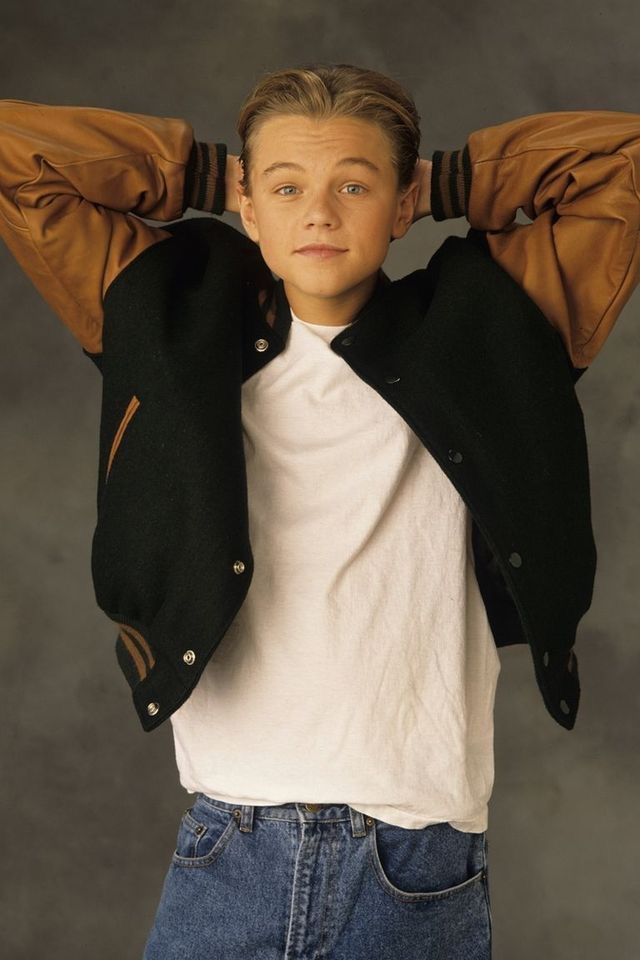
<point>478,352</point>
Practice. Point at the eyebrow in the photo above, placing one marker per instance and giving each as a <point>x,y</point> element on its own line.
<point>346,161</point>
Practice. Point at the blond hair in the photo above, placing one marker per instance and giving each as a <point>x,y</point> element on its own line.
<point>324,91</point>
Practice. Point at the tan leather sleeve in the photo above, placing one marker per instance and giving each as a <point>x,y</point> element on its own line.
<point>74,182</point>
<point>576,176</point>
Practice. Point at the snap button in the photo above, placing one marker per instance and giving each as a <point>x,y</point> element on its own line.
<point>564,706</point>
<point>189,656</point>
<point>347,341</point>
<point>261,344</point>
<point>455,455</point>
<point>152,709</point>
<point>238,567</point>
<point>515,560</point>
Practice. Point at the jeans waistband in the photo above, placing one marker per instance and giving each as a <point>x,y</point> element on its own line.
<point>296,812</point>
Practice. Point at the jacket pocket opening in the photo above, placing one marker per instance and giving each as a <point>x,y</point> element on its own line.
<point>132,406</point>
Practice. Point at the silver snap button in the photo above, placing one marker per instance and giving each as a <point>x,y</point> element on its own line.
<point>545,658</point>
<point>261,344</point>
<point>238,567</point>
<point>189,656</point>
<point>152,709</point>
<point>564,706</point>
<point>347,341</point>
<point>515,560</point>
<point>455,455</point>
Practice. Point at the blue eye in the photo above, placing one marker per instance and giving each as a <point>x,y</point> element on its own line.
<point>290,185</point>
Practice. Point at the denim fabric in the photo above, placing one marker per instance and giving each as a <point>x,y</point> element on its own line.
<point>320,882</point>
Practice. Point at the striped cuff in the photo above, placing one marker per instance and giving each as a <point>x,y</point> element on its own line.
<point>450,183</point>
<point>204,180</point>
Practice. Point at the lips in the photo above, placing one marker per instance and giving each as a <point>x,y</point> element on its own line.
<point>319,247</point>
<point>320,253</point>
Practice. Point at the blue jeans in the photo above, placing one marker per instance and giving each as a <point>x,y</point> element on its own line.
<point>320,882</point>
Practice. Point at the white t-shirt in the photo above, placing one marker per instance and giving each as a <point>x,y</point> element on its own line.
<point>361,667</point>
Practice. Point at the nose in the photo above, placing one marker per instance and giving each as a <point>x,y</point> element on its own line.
<point>320,210</point>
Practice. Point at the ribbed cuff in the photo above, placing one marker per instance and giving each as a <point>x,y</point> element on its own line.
<point>450,183</point>
<point>204,181</point>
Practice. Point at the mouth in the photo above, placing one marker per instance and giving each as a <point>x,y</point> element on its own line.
<point>320,252</point>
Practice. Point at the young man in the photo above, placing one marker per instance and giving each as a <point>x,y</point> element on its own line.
<point>325,500</point>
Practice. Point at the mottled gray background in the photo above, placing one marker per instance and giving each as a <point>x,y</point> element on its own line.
<point>89,804</point>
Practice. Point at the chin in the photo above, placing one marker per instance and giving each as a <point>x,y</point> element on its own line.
<point>327,287</point>
<point>326,277</point>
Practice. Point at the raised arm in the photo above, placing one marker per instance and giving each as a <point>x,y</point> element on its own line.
<point>74,182</point>
<point>576,175</point>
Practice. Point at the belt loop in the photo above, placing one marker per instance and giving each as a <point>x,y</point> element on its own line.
<point>246,817</point>
<point>358,826</point>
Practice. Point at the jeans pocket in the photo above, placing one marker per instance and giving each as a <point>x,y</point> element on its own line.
<point>430,863</point>
<point>204,832</point>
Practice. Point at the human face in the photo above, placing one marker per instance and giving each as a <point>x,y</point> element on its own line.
<point>325,200</point>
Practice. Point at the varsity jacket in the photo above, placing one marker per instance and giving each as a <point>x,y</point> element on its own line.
<point>478,351</point>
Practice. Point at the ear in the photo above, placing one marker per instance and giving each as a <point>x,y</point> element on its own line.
<point>407,203</point>
<point>247,214</point>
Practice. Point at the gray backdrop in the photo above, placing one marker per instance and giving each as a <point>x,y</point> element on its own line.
<point>89,804</point>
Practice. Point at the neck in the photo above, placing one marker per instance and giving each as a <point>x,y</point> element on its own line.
<point>331,311</point>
